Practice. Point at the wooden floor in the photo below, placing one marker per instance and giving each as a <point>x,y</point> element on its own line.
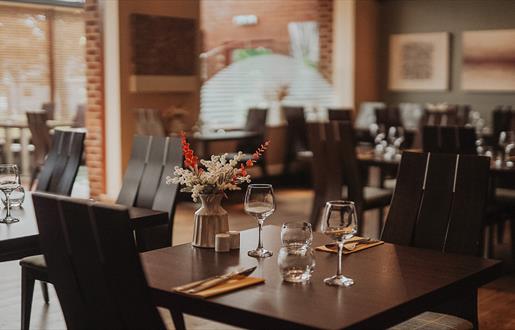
<point>496,300</point>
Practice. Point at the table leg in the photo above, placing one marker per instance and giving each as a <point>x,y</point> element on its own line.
<point>25,157</point>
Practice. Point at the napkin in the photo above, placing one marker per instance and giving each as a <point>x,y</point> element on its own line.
<point>359,247</point>
<point>236,283</point>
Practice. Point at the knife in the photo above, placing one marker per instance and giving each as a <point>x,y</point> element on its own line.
<point>219,280</point>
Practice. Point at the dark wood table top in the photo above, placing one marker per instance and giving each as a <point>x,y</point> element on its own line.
<point>392,283</point>
<point>22,238</point>
<point>224,136</point>
<point>367,158</point>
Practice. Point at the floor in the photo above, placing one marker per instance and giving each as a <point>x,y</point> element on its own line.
<point>496,300</point>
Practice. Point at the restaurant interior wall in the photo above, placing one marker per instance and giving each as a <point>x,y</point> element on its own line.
<point>454,16</point>
<point>157,100</point>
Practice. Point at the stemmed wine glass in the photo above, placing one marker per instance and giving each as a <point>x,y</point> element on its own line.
<point>9,178</point>
<point>260,203</point>
<point>340,224</point>
<point>506,141</point>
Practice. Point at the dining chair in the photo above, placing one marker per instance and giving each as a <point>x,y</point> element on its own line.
<point>41,139</point>
<point>256,122</point>
<point>344,114</point>
<point>109,285</point>
<point>449,139</point>
<point>57,176</point>
<point>296,136</point>
<point>387,117</point>
<point>462,114</point>
<point>502,120</point>
<point>336,172</point>
<point>438,204</point>
<point>448,117</point>
<point>60,169</point>
<point>144,185</point>
<point>49,108</point>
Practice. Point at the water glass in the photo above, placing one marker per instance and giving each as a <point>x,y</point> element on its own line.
<point>296,234</point>
<point>296,264</point>
<point>260,203</point>
<point>339,222</point>
<point>17,196</point>
<point>9,178</point>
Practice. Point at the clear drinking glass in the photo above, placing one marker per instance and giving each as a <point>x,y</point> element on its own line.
<point>340,224</point>
<point>17,196</point>
<point>296,234</point>
<point>9,178</point>
<point>506,140</point>
<point>296,264</point>
<point>260,203</point>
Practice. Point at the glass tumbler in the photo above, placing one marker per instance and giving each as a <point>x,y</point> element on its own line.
<point>296,264</point>
<point>296,234</point>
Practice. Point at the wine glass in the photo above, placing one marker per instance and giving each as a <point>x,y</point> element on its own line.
<point>340,224</point>
<point>506,140</point>
<point>260,203</point>
<point>9,178</point>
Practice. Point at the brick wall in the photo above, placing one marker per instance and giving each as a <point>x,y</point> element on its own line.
<point>274,16</point>
<point>95,145</point>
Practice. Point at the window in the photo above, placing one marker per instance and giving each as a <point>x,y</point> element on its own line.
<point>42,59</point>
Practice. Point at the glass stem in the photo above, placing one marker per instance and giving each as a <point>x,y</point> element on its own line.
<point>260,241</point>
<point>8,205</point>
<point>340,257</point>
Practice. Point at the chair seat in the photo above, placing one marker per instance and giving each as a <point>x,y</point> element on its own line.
<point>434,321</point>
<point>36,262</point>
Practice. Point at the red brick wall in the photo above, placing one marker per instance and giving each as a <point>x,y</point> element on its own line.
<point>273,15</point>
<point>95,151</point>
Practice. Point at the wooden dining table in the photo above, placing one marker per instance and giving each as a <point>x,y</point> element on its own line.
<point>392,284</point>
<point>204,139</point>
<point>21,239</point>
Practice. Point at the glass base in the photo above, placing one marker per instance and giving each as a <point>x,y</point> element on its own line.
<point>339,280</point>
<point>9,220</point>
<point>260,253</point>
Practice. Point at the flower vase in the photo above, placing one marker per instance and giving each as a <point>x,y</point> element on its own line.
<point>210,219</point>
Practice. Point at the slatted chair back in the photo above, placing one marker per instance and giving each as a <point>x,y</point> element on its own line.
<point>49,108</point>
<point>88,263</point>
<point>45,175</point>
<point>449,139</point>
<point>68,162</point>
<point>388,117</point>
<point>296,134</point>
<point>336,164</point>
<point>75,151</point>
<point>256,122</point>
<point>152,172</point>
<point>123,270</point>
<point>438,202</point>
<point>135,168</point>
<point>462,114</point>
<point>56,247</point>
<point>341,114</point>
<point>152,160</point>
<point>341,142</point>
<point>447,117</point>
<point>40,134</point>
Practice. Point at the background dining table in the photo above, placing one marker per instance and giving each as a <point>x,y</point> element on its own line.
<point>392,284</point>
<point>21,239</point>
<point>204,139</point>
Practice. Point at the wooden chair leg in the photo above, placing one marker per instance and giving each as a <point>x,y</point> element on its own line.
<point>44,289</point>
<point>27,291</point>
<point>178,320</point>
